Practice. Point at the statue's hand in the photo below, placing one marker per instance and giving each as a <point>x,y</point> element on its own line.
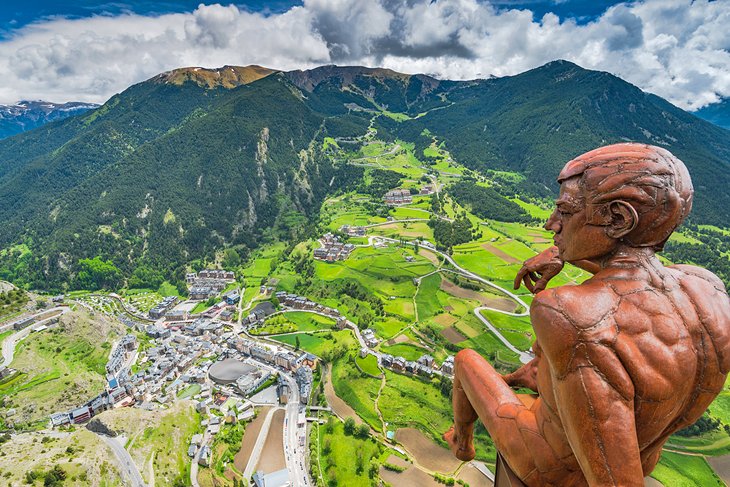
<point>525,376</point>
<point>537,271</point>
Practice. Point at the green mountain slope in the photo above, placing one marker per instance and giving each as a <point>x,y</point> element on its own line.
<point>194,160</point>
<point>534,122</point>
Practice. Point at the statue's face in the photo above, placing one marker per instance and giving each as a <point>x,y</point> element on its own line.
<point>575,238</point>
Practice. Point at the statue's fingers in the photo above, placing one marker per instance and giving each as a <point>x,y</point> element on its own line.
<point>518,278</point>
<point>528,283</point>
<point>541,284</point>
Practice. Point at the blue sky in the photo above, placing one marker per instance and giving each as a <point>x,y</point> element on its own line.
<point>89,50</point>
<point>16,14</point>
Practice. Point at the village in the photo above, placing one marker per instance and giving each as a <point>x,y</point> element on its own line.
<point>222,362</point>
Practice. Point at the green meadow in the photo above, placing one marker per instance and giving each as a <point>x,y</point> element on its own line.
<point>678,470</point>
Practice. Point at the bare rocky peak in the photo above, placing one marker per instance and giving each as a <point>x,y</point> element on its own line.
<point>224,77</point>
<point>309,79</point>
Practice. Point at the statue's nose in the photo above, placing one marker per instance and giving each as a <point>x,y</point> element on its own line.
<point>553,223</point>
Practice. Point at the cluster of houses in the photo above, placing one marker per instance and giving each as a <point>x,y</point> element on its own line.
<point>124,349</point>
<point>257,315</point>
<point>240,411</point>
<point>369,336</point>
<point>300,363</point>
<point>398,196</point>
<point>402,196</point>
<point>117,392</point>
<point>191,277</point>
<point>163,307</point>
<point>352,230</point>
<point>202,326</point>
<point>208,283</point>
<point>294,301</point>
<point>424,366</point>
<point>332,249</point>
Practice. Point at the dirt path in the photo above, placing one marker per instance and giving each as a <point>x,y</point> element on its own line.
<point>504,304</point>
<point>500,253</point>
<point>721,466</point>
<point>339,407</point>
<point>151,470</point>
<point>249,440</point>
<point>430,256</point>
<point>427,453</point>
<point>377,409</point>
<point>472,476</point>
<point>411,477</point>
<point>272,455</point>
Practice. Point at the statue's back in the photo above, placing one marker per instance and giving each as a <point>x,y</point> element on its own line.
<point>674,341</point>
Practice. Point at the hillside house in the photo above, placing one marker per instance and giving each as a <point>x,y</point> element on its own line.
<point>398,196</point>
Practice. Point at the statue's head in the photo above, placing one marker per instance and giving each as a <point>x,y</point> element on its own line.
<point>630,194</point>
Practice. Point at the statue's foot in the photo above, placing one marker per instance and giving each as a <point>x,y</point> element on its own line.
<point>462,446</point>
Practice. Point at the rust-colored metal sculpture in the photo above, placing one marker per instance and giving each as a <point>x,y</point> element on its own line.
<point>623,360</point>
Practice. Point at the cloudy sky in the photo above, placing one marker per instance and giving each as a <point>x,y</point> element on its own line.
<point>88,50</point>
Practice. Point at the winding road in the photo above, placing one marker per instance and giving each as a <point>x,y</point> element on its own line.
<point>525,357</point>
<point>10,342</point>
<point>129,470</point>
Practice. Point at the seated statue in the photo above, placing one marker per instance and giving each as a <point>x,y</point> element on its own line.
<point>623,360</point>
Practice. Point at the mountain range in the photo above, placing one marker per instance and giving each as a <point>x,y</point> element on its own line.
<point>27,115</point>
<point>717,113</point>
<point>195,159</point>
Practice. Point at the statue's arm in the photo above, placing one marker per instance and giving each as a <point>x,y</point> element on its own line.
<point>594,397</point>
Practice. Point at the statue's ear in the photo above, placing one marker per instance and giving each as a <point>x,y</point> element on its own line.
<point>623,219</point>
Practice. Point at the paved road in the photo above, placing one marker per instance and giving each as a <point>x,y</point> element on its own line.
<point>126,464</point>
<point>525,357</point>
<point>194,465</point>
<point>11,341</point>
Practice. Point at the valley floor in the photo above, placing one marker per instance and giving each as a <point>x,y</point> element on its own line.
<point>366,418</point>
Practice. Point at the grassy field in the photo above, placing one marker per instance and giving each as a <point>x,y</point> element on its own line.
<point>517,330</point>
<point>677,470</point>
<point>368,364</point>
<point>189,391</point>
<point>357,390</point>
<point>81,454</point>
<point>342,459</point>
<point>322,342</point>
<point>166,442</point>
<point>60,367</point>
<point>167,289</point>
<point>11,302</point>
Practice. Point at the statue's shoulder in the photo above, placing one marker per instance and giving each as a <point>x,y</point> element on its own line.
<point>582,306</point>
<point>570,317</point>
<point>697,276</point>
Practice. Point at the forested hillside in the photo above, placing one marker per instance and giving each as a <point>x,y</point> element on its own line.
<point>194,161</point>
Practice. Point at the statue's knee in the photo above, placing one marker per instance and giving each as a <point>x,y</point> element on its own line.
<point>466,358</point>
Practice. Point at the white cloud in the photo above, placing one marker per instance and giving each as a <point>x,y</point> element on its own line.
<point>677,49</point>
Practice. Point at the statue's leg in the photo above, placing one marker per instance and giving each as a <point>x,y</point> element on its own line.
<point>479,391</point>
